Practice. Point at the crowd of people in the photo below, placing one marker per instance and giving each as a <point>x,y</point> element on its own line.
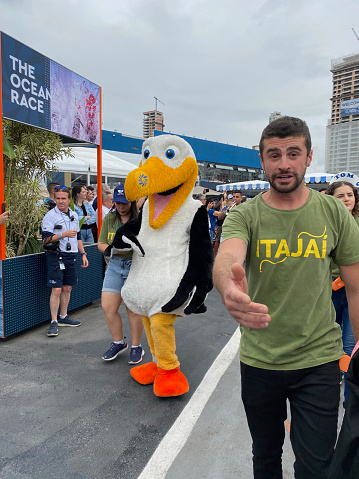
<point>64,232</point>
<point>217,210</point>
<point>287,268</point>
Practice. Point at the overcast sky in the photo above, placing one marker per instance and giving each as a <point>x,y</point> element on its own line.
<point>220,66</point>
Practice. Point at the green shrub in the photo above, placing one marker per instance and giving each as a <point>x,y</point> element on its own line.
<point>35,152</point>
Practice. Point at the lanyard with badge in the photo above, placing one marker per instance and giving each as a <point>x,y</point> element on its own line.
<point>68,244</point>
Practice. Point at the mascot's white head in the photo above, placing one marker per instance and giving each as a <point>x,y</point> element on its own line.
<point>167,175</point>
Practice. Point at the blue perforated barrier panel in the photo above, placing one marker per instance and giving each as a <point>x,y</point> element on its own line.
<point>26,296</point>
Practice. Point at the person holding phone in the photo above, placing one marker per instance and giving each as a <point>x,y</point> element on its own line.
<point>62,241</point>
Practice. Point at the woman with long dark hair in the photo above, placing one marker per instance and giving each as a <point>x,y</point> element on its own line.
<point>347,194</point>
<point>84,210</point>
<point>115,277</point>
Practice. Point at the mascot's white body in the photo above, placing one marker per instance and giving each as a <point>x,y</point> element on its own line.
<point>170,274</point>
<point>154,278</point>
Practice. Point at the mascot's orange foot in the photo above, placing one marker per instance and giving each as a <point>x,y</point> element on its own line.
<point>170,383</point>
<point>144,374</point>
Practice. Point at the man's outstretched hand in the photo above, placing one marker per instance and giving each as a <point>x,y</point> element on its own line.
<point>239,304</point>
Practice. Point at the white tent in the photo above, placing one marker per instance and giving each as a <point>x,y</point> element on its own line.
<point>264,185</point>
<point>318,177</point>
<point>132,158</point>
<point>244,185</point>
<point>85,162</point>
<point>198,190</point>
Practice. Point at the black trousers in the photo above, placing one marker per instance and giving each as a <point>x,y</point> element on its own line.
<point>313,394</point>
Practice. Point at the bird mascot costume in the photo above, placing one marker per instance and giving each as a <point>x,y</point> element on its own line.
<point>171,271</point>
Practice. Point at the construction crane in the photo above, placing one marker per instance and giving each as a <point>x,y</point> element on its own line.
<point>355,33</point>
<point>157,99</point>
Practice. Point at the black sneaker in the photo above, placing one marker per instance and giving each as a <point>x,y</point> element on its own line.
<point>114,351</point>
<point>53,329</point>
<point>136,355</point>
<point>67,321</point>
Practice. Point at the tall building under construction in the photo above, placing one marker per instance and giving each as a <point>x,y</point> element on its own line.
<point>342,138</point>
<point>152,120</point>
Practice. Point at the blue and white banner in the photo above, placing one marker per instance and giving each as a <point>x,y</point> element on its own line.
<point>349,107</point>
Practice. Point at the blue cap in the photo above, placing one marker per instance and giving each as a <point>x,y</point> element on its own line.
<point>119,194</point>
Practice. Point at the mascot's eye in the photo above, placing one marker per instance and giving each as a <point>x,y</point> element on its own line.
<point>170,153</point>
<point>146,154</point>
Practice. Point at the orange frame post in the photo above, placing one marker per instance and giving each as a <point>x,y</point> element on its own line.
<point>2,183</point>
<point>99,174</point>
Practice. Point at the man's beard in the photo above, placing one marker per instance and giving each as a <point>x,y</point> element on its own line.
<point>286,188</point>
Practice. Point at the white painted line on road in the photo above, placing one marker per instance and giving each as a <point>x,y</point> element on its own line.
<point>170,446</point>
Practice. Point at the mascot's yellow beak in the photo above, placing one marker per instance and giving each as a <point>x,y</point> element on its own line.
<point>167,188</point>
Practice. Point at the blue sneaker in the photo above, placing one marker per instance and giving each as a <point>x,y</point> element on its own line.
<point>53,329</point>
<point>114,351</point>
<point>136,355</point>
<point>67,321</point>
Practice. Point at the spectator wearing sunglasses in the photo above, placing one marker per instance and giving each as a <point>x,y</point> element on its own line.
<point>62,241</point>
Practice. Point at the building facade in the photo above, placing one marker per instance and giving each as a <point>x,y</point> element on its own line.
<point>223,163</point>
<point>342,136</point>
<point>217,162</point>
<point>152,120</point>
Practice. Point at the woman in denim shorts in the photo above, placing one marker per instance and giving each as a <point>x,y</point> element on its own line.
<point>115,277</point>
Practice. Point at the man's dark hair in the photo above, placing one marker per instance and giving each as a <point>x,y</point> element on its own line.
<point>90,188</point>
<point>237,191</point>
<point>284,127</point>
<point>51,186</point>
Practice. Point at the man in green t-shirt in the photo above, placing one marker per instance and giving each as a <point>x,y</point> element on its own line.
<point>290,344</point>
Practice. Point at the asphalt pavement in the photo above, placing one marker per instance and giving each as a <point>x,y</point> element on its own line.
<point>67,414</point>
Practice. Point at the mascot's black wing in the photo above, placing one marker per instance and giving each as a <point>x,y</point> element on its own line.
<point>199,269</point>
<point>125,237</point>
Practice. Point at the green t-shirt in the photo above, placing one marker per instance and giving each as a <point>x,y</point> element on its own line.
<point>335,269</point>
<point>109,227</point>
<point>288,267</point>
